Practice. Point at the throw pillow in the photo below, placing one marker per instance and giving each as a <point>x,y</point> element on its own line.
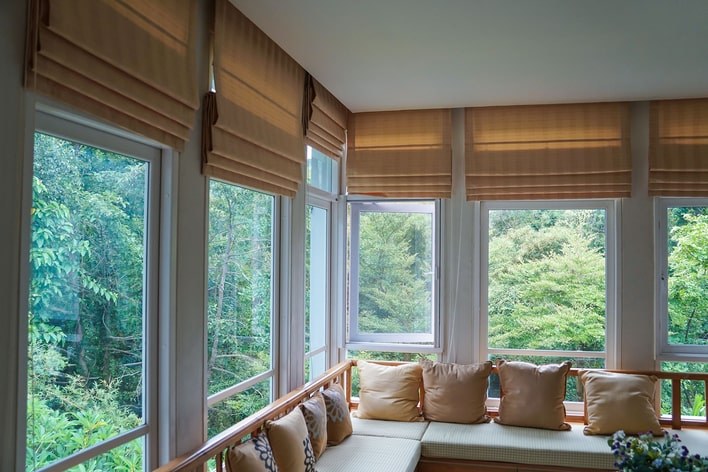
<point>532,396</point>
<point>290,443</point>
<point>455,393</point>
<point>315,412</point>
<point>339,424</point>
<point>252,456</point>
<point>615,401</point>
<point>389,392</point>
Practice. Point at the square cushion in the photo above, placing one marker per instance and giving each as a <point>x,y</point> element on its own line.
<point>252,456</point>
<point>315,413</point>
<point>290,443</point>
<point>455,393</point>
<point>339,424</point>
<point>615,401</point>
<point>389,392</point>
<point>532,396</point>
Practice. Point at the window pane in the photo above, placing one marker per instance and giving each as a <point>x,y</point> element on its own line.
<point>547,279</point>
<point>688,275</point>
<point>395,267</point>
<point>322,171</point>
<point>87,297</point>
<point>316,258</point>
<point>315,366</point>
<point>239,285</point>
<point>232,410</point>
<point>693,399</point>
<point>128,457</point>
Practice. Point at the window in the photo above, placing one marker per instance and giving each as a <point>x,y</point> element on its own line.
<point>547,274</point>
<point>393,282</point>
<point>240,349</point>
<point>682,284</point>
<point>322,172</point>
<point>92,299</point>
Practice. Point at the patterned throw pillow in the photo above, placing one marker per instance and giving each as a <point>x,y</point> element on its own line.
<point>339,424</point>
<point>291,444</point>
<point>252,456</point>
<point>315,412</point>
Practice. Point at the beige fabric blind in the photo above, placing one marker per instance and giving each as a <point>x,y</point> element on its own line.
<point>678,148</point>
<point>325,120</point>
<point>253,131</point>
<point>129,62</point>
<point>400,154</point>
<point>548,152</point>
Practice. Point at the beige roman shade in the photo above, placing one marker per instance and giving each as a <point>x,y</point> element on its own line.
<point>252,125</point>
<point>129,62</point>
<point>324,119</point>
<point>548,152</point>
<point>400,154</point>
<point>678,148</point>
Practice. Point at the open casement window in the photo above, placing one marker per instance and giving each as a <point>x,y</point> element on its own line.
<point>682,282</point>
<point>92,321</point>
<point>393,275</point>
<point>241,332</point>
<point>548,272</point>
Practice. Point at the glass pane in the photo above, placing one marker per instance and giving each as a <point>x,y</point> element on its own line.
<point>315,366</point>
<point>688,275</point>
<point>87,295</point>
<point>239,285</point>
<point>572,392</point>
<point>693,399</point>
<point>232,410</point>
<point>547,279</point>
<point>396,269</point>
<point>128,457</point>
<point>316,258</point>
<point>322,171</point>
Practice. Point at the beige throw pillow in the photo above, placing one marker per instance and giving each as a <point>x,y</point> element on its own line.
<point>389,392</point>
<point>615,401</point>
<point>315,412</point>
<point>290,443</point>
<point>252,456</point>
<point>455,393</point>
<point>532,396</point>
<point>339,424</point>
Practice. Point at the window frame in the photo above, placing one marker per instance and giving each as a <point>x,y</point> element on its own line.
<point>664,350</point>
<point>273,373</point>
<point>612,276</point>
<point>54,120</point>
<point>393,342</point>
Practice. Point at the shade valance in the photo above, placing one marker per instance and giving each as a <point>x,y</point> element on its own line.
<point>252,124</point>
<point>548,152</point>
<point>400,154</point>
<point>678,148</point>
<point>324,119</point>
<point>129,62</point>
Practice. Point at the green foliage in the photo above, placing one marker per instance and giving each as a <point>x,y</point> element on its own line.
<point>646,453</point>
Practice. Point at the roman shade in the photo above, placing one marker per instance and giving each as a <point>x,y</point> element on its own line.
<point>252,125</point>
<point>548,152</point>
<point>678,148</point>
<point>400,154</point>
<point>324,119</point>
<point>129,62</point>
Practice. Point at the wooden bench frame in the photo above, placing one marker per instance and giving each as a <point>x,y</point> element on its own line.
<point>216,447</point>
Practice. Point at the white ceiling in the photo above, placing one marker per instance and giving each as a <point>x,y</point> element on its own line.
<point>405,54</point>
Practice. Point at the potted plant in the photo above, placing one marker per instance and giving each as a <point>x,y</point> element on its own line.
<point>647,453</point>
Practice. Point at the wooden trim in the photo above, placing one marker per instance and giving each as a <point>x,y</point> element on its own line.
<point>430,464</point>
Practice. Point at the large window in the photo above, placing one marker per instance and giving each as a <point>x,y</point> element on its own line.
<point>92,300</point>
<point>240,349</point>
<point>548,282</point>
<point>393,279</point>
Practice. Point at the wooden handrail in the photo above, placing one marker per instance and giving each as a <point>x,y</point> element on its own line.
<point>342,373</point>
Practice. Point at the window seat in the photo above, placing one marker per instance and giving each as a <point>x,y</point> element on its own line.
<point>360,453</point>
<point>390,429</point>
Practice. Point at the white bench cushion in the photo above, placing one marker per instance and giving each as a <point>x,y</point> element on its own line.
<point>500,443</point>
<point>390,429</point>
<point>370,454</point>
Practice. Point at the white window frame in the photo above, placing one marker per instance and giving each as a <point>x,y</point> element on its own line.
<point>55,121</point>
<point>272,373</point>
<point>664,350</point>
<point>611,276</point>
<point>392,342</point>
